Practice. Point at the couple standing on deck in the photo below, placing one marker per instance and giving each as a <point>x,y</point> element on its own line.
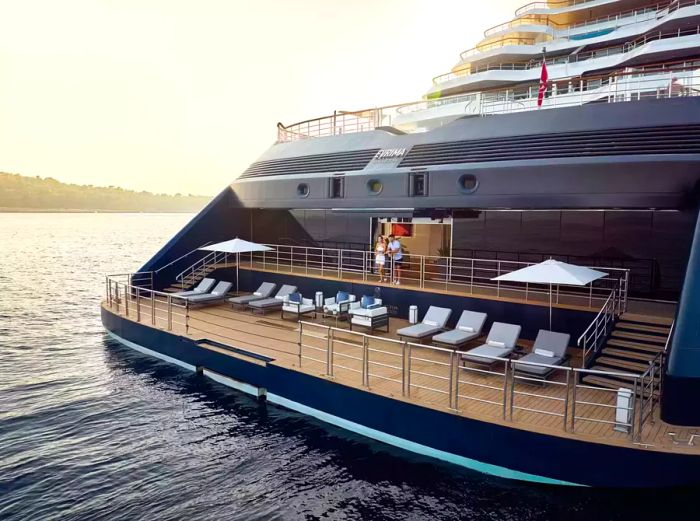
<point>392,248</point>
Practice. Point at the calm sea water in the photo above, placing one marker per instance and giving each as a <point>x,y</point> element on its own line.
<point>93,430</point>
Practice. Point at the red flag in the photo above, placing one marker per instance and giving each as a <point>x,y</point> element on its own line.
<point>543,83</point>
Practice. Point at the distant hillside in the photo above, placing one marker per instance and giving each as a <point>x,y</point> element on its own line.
<point>25,194</point>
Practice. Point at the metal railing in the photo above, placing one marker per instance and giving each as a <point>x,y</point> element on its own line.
<point>549,5</point>
<point>201,267</point>
<point>459,274</point>
<point>181,257</point>
<point>622,18</point>
<point>595,335</point>
<point>144,304</point>
<point>569,58</point>
<point>430,375</point>
<point>619,87</point>
<point>499,389</point>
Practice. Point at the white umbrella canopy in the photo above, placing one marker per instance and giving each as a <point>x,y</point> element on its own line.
<point>236,246</point>
<point>553,272</point>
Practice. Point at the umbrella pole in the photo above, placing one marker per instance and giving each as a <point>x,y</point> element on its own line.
<point>238,261</point>
<point>550,307</point>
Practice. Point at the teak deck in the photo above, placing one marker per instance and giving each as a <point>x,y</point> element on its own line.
<point>279,339</point>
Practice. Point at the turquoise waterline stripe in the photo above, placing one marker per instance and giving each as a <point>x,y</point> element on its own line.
<point>358,428</point>
<point>411,446</point>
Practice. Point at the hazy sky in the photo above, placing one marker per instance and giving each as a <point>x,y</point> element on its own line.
<point>181,96</point>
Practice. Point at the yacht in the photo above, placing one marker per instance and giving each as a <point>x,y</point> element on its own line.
<point>568,137</point>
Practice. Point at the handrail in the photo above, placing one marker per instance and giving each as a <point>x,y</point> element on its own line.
<point>599,328</point>
<point>418,370</point>
<point>183,256</point>
<point>549,5</point>
<point>619,86</point>
<point>569,58</point>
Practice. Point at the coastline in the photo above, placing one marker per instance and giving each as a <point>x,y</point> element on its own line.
<point>85,210</point>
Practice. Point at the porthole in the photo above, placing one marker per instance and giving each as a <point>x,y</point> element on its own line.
<point>374,186</point>
<point>303,190</point>
<point>467,183</point>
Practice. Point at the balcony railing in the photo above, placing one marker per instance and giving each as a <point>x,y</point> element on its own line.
<point>549,5</point>
<point>570,58</point>
<point>616,88</point>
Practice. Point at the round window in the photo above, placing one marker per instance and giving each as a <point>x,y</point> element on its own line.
<point>302,190</point>
<point>467,183</point>
<point>374,186</point>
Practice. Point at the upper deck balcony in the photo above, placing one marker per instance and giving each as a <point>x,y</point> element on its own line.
<point>558,7</point>
<point>680,80</point>
<point>523,38</point>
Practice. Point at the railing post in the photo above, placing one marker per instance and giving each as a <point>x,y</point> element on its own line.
<point>187,317</point>
<point>170,313</point>
<point>566,398</point>
<point>512,388</point>
<point>408,373</point>
<point>403,368</point>
<point>138,304</point>
<point>153,308</point>
<point>329,366</point>
<point>471,282</point>
<point>116,294</point>
<point>498,282</point>
<point>332,348</point>
<point>506,367</point>
<point>322,260</point>
<point>340,265</point>
<point>109,292</point>
<point>365,361</point>
<point>299,341</point>
<point>573,403</point>
<point>451,380</point>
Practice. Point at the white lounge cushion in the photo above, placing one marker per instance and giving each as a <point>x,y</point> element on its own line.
<point>494,343</point>
<point>466,329</point>
<point>430,323</point>
<point>544,352</point>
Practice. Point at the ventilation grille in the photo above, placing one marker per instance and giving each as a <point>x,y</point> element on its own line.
<point>653,140</point>
<point>320,163</point>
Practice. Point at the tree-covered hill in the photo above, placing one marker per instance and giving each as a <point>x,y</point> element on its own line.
<point>21,193</point>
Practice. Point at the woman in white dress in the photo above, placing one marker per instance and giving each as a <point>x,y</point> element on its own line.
<point>380,256</point>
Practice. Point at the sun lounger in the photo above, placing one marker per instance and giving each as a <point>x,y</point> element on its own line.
<point>499,344</point>
<point>549,349</point>
<point>264,291</point>
<point>270,304</point>
<point>218,293</point>
<point>204,286</point>
<point>433,322</point>
<point>468,327</point>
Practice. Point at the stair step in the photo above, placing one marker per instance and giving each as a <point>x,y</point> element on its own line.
<point>620,377</point>
<point>172,290</point>
<point>609,383</point>
<point>633,326</point>
<point>637,346</point>
<point>180,286</point>
<point>625,353</point>
<point>647,319</point>
<point>603,381</point>
<point>619,363</point>
<point>652,339</point>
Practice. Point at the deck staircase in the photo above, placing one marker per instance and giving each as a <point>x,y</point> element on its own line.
<point>199,270</point>
<point>633,344</point>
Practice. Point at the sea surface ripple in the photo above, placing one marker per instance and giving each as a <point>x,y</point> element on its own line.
<point>91,430</point>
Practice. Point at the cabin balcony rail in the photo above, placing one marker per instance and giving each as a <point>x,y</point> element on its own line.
<point>570,58</point>
<point>549,5</point>
<point>495,45</point>
<point>425,374</point>
<point>628,17</point>
<point>617,88</point>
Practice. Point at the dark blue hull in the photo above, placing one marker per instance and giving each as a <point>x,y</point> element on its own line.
<point>487,447</point>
